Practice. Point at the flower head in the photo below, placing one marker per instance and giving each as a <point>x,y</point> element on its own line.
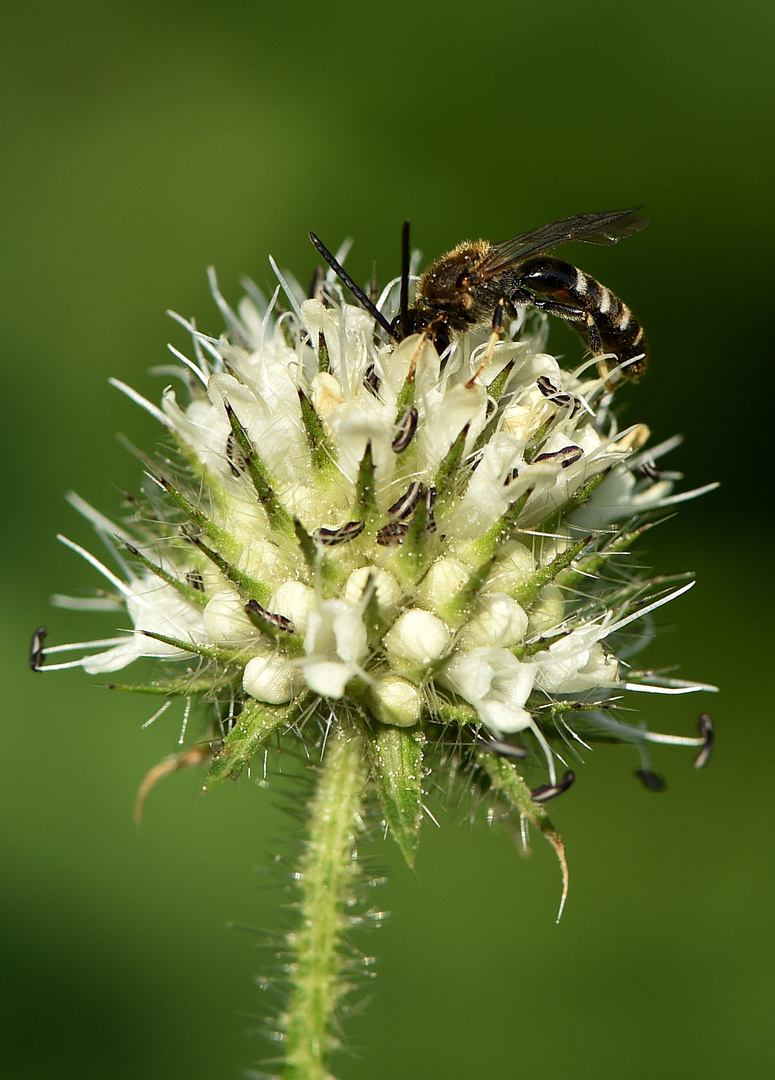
<point>347,530</point>
<point>412,563</point>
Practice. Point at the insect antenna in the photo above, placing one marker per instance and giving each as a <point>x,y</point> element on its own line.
<point>404,296</point>
<point>366,303</point>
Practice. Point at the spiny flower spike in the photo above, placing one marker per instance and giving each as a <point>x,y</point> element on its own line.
<point>418,568</point>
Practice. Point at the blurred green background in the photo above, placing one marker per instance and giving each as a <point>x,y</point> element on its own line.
<point>144,141</point>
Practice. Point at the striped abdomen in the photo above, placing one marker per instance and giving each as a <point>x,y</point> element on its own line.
<point>592,309</point>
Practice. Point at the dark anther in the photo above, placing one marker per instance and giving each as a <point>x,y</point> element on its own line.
<point>549,390</point>
<point>705,727</point>
<point>503,748</point>
<point>37,655</point>
<point>407,426</point>
<point>371,380</point>
<point>565,457</point>
<point>510,477</point>
<point>403,507</point>
<point>649,470</point>
<point>234,455</point>
<point>393,534</point>
<point>332,537</point>
<point>430,502</point>
<point>650,780</point>
<point>546,386</point>
<point>270,618</point>
<point>195,580</point>
<point>545,792</point>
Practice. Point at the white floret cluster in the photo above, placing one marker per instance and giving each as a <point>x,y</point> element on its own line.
<point>424,540</point>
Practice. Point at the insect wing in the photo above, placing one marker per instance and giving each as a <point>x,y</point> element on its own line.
<point>605,228</point>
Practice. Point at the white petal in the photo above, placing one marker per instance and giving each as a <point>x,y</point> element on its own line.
<point>496,684</point>
<point>445,417</point>
<point>225,620</point>
<point>201,426</point>
<point>154,605</point>
<point>355,427</point>
<point>328,678</point>
<point>335,630</point>
<point>396,701</point>
<point>392,367</point>
<point>274,426</point>
<point>271,680</point>
<point>388,590</point>
<point>487,498</point>
<point>122,655</point>
<point>294,600</point>
<point>515,566</point>
<point>417,636</point>
<point>503,718</point>
<point>443,582</point>
<point>326,394</point>
<point>348,332</point>
<point>498,621</point>
<point>350,634</point>
<point>579,665</point>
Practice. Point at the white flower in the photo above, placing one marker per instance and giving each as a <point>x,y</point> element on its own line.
<point>498,621</point>
<point>335,642</point>
<point>396,701</point>
<point>415,640</point>
<point>366,521</point>
<point>496,684</point>
<point>270,679</point>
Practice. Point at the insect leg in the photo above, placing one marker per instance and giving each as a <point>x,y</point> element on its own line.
<point>497,315</point>
<point>574,315</point>
<point>561,309</point>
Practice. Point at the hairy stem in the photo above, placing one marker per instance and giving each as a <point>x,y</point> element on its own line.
<point>328,877</point>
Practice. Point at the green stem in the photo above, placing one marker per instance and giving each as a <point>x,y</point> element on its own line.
<point>328,877</point>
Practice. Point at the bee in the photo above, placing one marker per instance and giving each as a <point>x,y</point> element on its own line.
<point>476,282</point>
